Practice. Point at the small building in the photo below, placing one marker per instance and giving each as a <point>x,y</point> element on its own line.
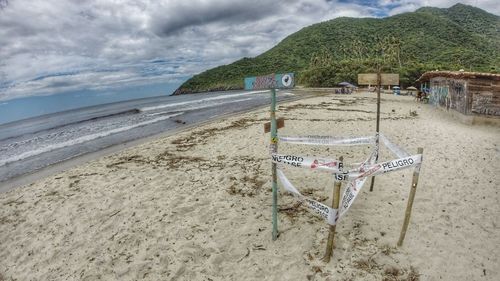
<point>474,95</point>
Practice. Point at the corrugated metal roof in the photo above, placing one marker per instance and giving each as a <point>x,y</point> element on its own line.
<point>458,75</point>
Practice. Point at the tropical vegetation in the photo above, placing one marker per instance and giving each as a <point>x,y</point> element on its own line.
<point>324,54</point>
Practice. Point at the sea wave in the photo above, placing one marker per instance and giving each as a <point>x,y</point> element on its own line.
<point>152,108</point>
<point>200,107</point>
<point>81,139</point>
<point>93,118</point>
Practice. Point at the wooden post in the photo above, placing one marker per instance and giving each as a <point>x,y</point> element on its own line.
<point>274,149</point>
<point>379,84</point>
<point>335,205</point>
<point>409,206</point>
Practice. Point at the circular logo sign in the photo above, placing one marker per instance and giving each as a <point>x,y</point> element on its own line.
<point>286,80</point>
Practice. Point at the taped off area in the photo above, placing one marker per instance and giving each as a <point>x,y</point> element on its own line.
<point>355,178</point>
<point>354,186</point>
<point>351,191</point>
<point>370,170</point>
<point>329,214</point>
<point>329,165</point>
<point>327,140</point>
<point>394,148</point>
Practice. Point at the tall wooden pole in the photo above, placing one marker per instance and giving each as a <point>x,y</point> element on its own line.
<point>379,84</point>
<point>335,205</point>
<point>274,149</point>
<point>409,206</point>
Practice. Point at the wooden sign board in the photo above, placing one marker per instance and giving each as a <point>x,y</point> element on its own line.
<point>280,122</point>
<point>271,81</point>
<point>371,79</point>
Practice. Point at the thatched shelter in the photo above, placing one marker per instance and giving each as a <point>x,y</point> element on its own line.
<point>474,95</point>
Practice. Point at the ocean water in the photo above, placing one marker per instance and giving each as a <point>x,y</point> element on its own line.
<point>26,107</point>
<point>34,143</point>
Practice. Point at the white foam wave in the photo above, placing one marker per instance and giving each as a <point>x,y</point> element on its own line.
<point>159,113</point>
<point>150,108</point>
<point>82,140</point>
<point>202,106</point>
<point>215,104</point>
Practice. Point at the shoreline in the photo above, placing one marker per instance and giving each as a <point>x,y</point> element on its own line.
<point>29,178</point>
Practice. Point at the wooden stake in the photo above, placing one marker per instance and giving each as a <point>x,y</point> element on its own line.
<point>379,84</point>
<point>335,205</point>
<point>379,81</point>
<point>409,206</point>
<point>274,148</point>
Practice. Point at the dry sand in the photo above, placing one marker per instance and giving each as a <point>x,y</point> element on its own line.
<point>197,205</point>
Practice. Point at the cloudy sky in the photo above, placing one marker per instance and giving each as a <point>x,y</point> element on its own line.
<point>58,46</point>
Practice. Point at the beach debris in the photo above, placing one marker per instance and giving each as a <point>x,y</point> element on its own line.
<point>367,265</point>
<point>413,275</point>
<point>15,201</point>
<point>202,136</point>
<point>246,255</point>
<point>115,213</point>
<point>387,249</point>
<point>258,247</point>
<point>392,273</point>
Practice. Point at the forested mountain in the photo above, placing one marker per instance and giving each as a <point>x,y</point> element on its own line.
<point>323,54</point>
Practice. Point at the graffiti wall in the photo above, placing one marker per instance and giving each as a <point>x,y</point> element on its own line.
<point>468,96</point>
<point>485,97</point>
<point>449,93</point>
<point>458,96</point>
<point>438,92</point>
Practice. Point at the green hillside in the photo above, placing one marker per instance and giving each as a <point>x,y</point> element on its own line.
<point>326,53</point>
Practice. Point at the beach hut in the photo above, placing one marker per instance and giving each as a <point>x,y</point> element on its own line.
<point>474,97</point>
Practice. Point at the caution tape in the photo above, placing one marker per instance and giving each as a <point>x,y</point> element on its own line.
<point>355,178</point>
<point>356,182</point>
<point>327,140</point>
<point>394,148</point>
<point>330,165</point>
<point>329,214</point>
<point>351,191</point>
<point>399,164</point>
<point>379,168</point>
<point>353,187</point>
<point>273,147</point>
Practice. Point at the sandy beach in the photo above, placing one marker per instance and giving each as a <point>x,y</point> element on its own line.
<point>197,205</point>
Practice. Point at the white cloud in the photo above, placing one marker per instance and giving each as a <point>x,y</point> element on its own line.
<point>50,46</point>
<point>401,6</point>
